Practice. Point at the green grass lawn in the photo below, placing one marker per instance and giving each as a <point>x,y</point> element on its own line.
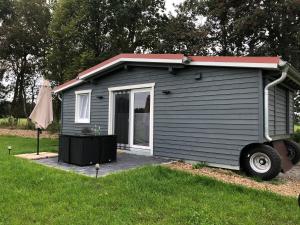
<point>34,194</point>
<point>25,145</point>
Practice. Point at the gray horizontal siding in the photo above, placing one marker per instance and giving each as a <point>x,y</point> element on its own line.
<point>280,111</point>
<point>206,120</point>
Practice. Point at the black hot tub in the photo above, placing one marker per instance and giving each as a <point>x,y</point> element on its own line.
<point>83,150</point>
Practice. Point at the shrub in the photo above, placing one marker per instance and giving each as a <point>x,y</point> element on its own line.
<point>9,122</point>
<point>296,136</point>
<point>54,127</point>
<point>14,123</point>
<point>199,165</point>
<point>28,125</point>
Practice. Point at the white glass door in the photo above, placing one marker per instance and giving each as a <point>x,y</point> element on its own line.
<point>140,118</point>
<point>131,117</point>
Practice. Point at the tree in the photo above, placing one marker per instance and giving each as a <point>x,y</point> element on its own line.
<point>5,9</point>
<point>23,41</point>
<point>282,21</point>
<point>182,33</point>
<point>4,108</point>
<point>78,34</point>
<point>84,33</point>
<point>251,27</point>
<point>135,25</point>
<point>3,88</point>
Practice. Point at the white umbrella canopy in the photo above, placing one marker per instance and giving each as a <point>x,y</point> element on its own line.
<point>42,114</point>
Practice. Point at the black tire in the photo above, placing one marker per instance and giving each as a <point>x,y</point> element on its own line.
<point>294,151</point>
<point>261,161</point>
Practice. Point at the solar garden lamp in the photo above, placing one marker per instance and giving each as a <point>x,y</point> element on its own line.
<point>97,167</point>
<point>299,200</point>
<point>9,148</point>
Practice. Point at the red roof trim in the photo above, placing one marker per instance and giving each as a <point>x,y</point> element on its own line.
<point>274,61</point>
<point>132,56</point>
<point>70,82</point>
<point>235,59</point>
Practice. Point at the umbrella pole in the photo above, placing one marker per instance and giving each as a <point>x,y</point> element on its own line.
<point>38,142</point>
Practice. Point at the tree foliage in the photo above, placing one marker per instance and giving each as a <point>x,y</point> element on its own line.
<point>23,40</point>
<point>84,33</point>
<point>181,33</point>
<point>5,9</point>
<point>252,27</point>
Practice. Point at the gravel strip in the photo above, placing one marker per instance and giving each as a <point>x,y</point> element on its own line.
<point>25,133</point>
<point>284,185</point>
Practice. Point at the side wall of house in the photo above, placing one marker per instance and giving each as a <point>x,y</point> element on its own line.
<point>208,120</point>
<point>281,111</point>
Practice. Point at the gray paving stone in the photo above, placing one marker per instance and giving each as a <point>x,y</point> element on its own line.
<point>125,161</point>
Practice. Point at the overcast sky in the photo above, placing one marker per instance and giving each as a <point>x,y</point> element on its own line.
<point>169,4</point>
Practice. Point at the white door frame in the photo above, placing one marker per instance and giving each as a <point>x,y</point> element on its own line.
<point>131,120</point>
<point>143,150</point>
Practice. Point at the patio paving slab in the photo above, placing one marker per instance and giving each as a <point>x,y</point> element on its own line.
<point>34,156</point>
<point>125,161</point>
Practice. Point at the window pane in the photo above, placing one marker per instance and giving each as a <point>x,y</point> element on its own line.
<point>122,117</point>
<point>141,118</point>
<point>83,100</point>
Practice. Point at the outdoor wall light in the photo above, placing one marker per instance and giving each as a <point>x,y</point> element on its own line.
<point>198,76</point>
<point>171,70</point>
<point>99,96</point>
<point>97,167</point>
<point>166,92</point>
<point>9,148</point>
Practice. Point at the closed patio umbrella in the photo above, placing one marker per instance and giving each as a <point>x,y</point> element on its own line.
<point>42,114</point>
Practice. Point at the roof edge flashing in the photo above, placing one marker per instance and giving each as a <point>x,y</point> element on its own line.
<point>123,60</point>
<point>272,66</point>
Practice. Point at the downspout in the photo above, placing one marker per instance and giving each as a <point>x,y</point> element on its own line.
<point>284,73</point>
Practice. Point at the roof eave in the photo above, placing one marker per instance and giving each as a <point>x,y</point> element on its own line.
<point>123,60</point>
<point>182,60</point>
<point>60,89</point>
<point>294,74</point>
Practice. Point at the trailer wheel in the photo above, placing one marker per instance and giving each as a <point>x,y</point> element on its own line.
<point>294,151</point>
<point>262,161</point>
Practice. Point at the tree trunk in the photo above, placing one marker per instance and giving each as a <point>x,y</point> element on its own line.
<point>19,99</point>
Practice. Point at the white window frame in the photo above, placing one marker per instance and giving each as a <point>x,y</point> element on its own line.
<point>133,88</point>
<point>77,119</point>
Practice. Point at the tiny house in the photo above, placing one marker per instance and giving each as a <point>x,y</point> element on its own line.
<point>229,112</point>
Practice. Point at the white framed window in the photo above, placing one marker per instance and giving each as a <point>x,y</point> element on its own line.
<point>83,106</point>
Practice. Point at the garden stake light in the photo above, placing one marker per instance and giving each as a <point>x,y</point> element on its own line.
<point>97,167</point>
<point>9,149</point>
<point>299,200</point>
